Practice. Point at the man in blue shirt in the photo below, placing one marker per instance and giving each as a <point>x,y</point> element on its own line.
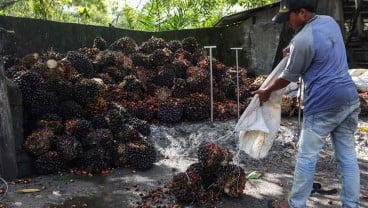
<point>331,102</point>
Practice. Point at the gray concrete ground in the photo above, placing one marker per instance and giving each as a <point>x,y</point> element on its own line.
<point>177,147</point>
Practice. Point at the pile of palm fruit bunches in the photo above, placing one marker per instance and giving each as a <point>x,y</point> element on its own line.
<point>90,109</point>
<point>210,178</point>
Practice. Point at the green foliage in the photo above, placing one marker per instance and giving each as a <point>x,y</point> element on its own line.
<point>154,15</point>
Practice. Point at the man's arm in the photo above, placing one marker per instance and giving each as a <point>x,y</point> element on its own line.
<point>264,94</point>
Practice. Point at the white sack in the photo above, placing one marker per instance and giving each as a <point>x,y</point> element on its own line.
<point>258,125</point>
<point>360,78</point>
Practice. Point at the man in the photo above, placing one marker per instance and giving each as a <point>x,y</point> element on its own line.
<point>331,103</point>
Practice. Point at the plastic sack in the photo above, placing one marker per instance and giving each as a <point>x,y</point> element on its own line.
<point>360,78</point>
<point>258,125</point>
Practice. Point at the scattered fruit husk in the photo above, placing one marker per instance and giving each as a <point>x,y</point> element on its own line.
<point>254,175</point>
<point>30,190</point>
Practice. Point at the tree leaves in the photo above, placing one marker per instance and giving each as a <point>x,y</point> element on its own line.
<point>154,15</point>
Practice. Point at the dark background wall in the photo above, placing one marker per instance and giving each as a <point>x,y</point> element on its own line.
<point>258,39</point>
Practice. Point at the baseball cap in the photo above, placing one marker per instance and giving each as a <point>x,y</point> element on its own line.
<point>287,6</point>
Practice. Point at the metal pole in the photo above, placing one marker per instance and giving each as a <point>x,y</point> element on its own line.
<point>237,77</point>
<point>211,79</point>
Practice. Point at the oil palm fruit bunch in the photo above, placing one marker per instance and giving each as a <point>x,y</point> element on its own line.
<point>165,76</point>
<point>62,88</point>
<point>141,155</point>
<point>69,148</point>
<point>212,156</point>
<point>99,43</point>
<point>87,90</point>
<point>160,57</point>
<point>95,160</point>
<point>190,44</point>
<point>180,67</point>
<point>198,79</point>
<point>140,125</point>
<point>180,89</point>
<point>80,62</point>
<point>39,142</point>
<point>141,59</point>
<point>174,45</point>
<point>104,59</point>
<point>98,138</point>
<point>208,177</point>
<point>79,128</point>
<point>152,44</point>
<point>127,45</point>
<point>197,107</point>
<point>170,111</point>
<point>231,179</point>
<point>257,82</point>
<point>40,102</point>
<point>49,163</point>
<point>70,110</point>
<point>28,81</point>
<point>186,186</point>
<point>287,106</point>
<point>52,122</point>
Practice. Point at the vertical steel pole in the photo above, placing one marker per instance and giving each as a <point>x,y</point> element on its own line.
<point>211,79</point>
<point>237,77</point>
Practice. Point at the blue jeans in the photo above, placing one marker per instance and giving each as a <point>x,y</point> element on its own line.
<point>341,123</point>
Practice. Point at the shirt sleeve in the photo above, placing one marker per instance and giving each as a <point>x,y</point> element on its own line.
<point>301,55</point>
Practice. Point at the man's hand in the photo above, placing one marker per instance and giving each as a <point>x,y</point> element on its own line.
<point>263,94</point>
<point>286,51</point>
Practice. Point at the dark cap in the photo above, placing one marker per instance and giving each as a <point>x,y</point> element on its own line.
<point>287,6</point>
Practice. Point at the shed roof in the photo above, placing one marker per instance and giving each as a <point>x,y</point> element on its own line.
<point>244,15</point>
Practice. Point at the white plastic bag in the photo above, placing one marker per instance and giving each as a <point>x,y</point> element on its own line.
<point>258,125</point>
<point>360,78</point>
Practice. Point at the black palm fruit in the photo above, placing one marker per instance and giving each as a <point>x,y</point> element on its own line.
<point>140,59</point>
<point>132,84</point>
<point>212,156</point>
<point>165,76</point>
<point>87,90</point>
<point>170,111</point>
<point>141,155</point>
<point>180,89</point>
<point>185,186</point>
<point>160,57</point>
<point>231,179</point>
<point>95,160</point>
<point>208,177</point>
<point>128,133</point>
<point>39,142</point>
<point>80,62</point>
<point>152,44</point>
<point>126,45</point>
<point>180,67</point>
<point>104,59</point>
<point>71,109</point>
<point>28,81</point>
<point>69,147</point>
<point>190,44</point>
<point>39,103</point>
<point>198,79</point>
<point>174,45</point>
<point>198,107</point>
<point>98,138</point>
<point>52,122</point>
<point>49,163</point>
<point>116,117</point>
<point>99,43</point>
<point>78,128</point>
<point>62,88</point>
<point>99,121</point>
<point>141,125</point>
